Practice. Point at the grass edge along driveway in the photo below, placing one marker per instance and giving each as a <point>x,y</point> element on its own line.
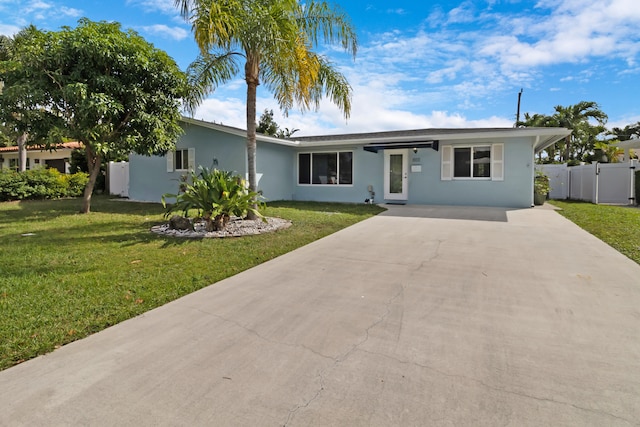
<point>618,226</point>
<point>64,275</point>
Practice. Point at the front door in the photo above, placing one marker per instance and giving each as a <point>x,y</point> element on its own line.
<point>396,174</point>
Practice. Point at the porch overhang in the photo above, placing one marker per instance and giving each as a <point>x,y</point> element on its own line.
<point>374,148</point>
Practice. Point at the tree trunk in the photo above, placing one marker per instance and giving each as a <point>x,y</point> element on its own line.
<point>567,148</point>
<point>252,68</point>
<point>22,152</point>
<point>93,163</point>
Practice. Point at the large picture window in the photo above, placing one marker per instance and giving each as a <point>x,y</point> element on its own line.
<point>334,168</point>
<point>472,162</point>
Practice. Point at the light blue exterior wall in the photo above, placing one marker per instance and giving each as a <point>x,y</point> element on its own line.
<point>149,179</point>
<point>426,187</point>
<point>516,190</point>
<point>277,168</point>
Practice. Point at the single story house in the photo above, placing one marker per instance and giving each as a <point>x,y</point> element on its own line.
<point>481,167</point>
<point>38,157</point>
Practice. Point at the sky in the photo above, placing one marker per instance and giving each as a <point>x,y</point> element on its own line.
<point>420,64</point>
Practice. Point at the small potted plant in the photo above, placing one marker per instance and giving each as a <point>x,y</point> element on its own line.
<point>541,188</point>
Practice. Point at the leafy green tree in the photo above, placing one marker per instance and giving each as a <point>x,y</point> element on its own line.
<point>109,89</point>
<point>266,124</point>
<point>13,130</point>
<point>271,41</point>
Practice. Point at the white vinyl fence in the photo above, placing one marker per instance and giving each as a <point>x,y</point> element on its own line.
<point>611,183</point>
<point>118,178</point>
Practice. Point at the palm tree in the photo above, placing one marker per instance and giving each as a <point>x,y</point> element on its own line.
<point>576,118</point>
<point>274,39</point>
<point>627,133</point>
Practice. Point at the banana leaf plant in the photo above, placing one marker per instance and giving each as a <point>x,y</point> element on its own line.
<point>217,196</point>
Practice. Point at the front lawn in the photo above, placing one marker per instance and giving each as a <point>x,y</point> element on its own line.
<point>65,275</point>
<point>619,226</point>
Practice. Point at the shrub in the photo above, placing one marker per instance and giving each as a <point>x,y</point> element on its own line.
<point>541,183</point>
<point>40,184</point>
<point>216,195</point>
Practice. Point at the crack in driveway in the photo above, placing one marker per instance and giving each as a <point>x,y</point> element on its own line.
<point>498,389</point>
<point>345,356</point>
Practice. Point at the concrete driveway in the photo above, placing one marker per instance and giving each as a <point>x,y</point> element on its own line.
<point>419,316</point>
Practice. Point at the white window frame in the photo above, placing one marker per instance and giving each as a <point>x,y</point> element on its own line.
<point>337,153</point>
<point>191,158</point>
<point>447,164</point>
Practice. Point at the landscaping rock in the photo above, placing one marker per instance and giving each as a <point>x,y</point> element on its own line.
<point>180,223</point>
<point>237,227</point>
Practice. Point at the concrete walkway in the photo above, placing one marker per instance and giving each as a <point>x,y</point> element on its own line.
<point>420,316</point>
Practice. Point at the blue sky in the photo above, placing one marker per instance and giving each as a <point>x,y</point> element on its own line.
<point>421,64</point>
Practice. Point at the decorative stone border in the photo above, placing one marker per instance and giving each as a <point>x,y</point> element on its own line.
<point>237,227</point>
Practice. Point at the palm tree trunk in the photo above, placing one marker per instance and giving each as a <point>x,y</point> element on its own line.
<point>93,163</point>
<point>252,78</point>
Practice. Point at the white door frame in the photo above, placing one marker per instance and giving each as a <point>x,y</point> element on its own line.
<point>404,195</point>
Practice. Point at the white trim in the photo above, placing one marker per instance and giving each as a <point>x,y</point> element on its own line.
<point>170,163</point>
<point>404,195</point>
<point>191,159</point>
<point>497,162</point>
<point>446,163</point>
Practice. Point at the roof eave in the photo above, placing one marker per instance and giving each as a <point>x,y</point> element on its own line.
<point>238,132</point>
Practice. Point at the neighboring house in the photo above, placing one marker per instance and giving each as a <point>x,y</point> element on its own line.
<point>481,167</point>
<point>38,157</point>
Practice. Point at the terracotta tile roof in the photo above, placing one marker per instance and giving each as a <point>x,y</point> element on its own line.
<point>14,149</point>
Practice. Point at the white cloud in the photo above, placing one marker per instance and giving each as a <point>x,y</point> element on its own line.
<point>72,12</point>
<point>36,5</point>
<point>9,30</point>
<point>163,6</point>
<point>175,33</point>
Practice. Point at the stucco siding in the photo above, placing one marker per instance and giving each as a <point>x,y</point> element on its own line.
<point>274,164</point>
<point>426,187</point>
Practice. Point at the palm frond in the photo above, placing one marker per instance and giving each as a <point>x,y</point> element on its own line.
<point>206,73</point>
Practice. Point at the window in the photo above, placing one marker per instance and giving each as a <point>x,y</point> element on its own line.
<point>325,168</point>
<point>481,161</point>
<point>15,165</point>
<point>181,160</point>
<point>472,162</point>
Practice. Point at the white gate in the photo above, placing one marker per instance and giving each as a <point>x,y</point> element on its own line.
<point>611,183</point>
<point>118,178</point>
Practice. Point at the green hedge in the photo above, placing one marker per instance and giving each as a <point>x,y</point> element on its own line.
<point>40,184</point>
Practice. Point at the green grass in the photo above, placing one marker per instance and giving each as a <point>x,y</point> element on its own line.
<point>619,226</point>
<point>79,274</point>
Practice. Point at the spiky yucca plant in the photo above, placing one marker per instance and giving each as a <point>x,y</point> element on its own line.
<point>216,195</point>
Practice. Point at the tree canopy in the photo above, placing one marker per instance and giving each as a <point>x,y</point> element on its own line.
<point>586,121</point>
<point>272,42</point>
<point>107,88</point>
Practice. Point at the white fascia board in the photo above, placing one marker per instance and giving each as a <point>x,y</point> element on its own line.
<point>238,132</point>
<point>546,134</point>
